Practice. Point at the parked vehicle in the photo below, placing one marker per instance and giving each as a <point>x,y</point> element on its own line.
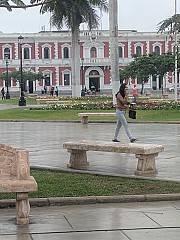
<point>171,89</point>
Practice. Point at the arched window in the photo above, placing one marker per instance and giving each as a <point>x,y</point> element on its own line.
<point>66,52</point>
<point>26,53</point>
<point>138,50</point>
<point>6,53</point>
<point>120,52</point>
<point>94,73</point>
<point>46,53</point>
<point>157,50</point>
<point>93,52</point>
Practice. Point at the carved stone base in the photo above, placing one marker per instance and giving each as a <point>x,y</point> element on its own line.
<point>146,164</point>
<point>78,158</point>
<point>84,120</point>
<point>22,208</point>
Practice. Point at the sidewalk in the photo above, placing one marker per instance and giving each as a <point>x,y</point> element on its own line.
<point>125,221</point>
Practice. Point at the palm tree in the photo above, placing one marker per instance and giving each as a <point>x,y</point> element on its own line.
<point>170,25</point>
<point>8,6</point>
<point>72,13</point>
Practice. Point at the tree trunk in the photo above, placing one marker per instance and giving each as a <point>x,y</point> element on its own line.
<point>76,88</point>
<point>113,32</point>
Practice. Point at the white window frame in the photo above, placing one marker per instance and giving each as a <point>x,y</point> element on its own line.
<point>141,45</point>
<point>157,44</point>
<point>27,46</point>
<point>7,46</point>
<point>122,46</point>
<point>69,73</point>
<point>50,50</point>
<point>62,50</point>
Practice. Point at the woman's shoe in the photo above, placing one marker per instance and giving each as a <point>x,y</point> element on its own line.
<point>133,140</point>
<point>115,140</point>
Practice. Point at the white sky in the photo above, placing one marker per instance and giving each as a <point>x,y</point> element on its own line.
<point>140,15</point>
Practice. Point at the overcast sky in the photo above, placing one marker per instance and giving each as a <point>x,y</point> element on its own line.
<point>140,15</point>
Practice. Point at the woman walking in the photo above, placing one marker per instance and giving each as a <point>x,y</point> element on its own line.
<point>121,107</point>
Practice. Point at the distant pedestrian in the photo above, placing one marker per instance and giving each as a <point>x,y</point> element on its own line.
<point>45,89</point>
<point>135,93</point>
<point>3,93</point>
<point>52,91</point>
<point>56,91</point>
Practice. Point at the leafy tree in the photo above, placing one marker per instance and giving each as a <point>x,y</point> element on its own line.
<point>72,13</point>
<point>123,75</point>
<point>27,76</point>
<point>142,67</point>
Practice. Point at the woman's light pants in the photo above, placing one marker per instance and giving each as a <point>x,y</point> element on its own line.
<point>121,116</point>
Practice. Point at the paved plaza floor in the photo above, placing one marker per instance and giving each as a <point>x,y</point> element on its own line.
<point>44,141</point>
<point>124,221</point>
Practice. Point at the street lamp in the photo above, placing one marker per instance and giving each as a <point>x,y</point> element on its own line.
<point>22,100</point>
<point>82,91</point>
<point>7,76</point>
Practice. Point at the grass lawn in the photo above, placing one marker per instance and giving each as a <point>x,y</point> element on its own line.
<point>61,184</point>
<point>142,115</point>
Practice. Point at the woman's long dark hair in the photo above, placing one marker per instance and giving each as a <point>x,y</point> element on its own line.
<point>122,90</point>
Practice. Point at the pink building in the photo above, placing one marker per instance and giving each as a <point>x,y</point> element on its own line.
<point>49,53</point>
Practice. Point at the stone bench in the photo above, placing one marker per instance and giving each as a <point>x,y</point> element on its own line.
<point>165,95</point>
<point>145,153</point>
<point>148,94</point>
<point>15,178</point>
<point>84,116</point>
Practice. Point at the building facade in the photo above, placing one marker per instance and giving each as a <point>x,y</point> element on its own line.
<point>49,53</point>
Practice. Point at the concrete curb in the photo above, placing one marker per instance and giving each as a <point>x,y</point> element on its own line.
<point>64,201</point>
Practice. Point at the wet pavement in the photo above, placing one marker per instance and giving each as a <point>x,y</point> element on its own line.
<point>44,141</point>
<point>125,221</point>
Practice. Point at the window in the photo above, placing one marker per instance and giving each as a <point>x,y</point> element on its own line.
<point>66,79</point>
<point>66,52</point>
<point>93,52</point>
<point>46,53</point>
<point>6,53</point>
<point>26,53</point>
<point>120,52</point>
<point>157,50</point>
<point>138,50</point>
<point>47,80</point>
<point>94,73</point>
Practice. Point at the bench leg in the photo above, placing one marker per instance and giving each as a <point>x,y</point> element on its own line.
<point>78,158</point>
<point>146,164</point>
<point>22,208</point>
<point>84,120</point>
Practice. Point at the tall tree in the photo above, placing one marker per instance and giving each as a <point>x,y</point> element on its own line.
<point>113,32</point>
<point>72,13</point>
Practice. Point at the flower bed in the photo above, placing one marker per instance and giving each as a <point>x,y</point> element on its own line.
<point>145,105</point>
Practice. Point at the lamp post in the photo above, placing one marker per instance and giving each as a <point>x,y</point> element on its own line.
<point>22,100</point>
<point>7,77</point>
<point>82,91</point>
